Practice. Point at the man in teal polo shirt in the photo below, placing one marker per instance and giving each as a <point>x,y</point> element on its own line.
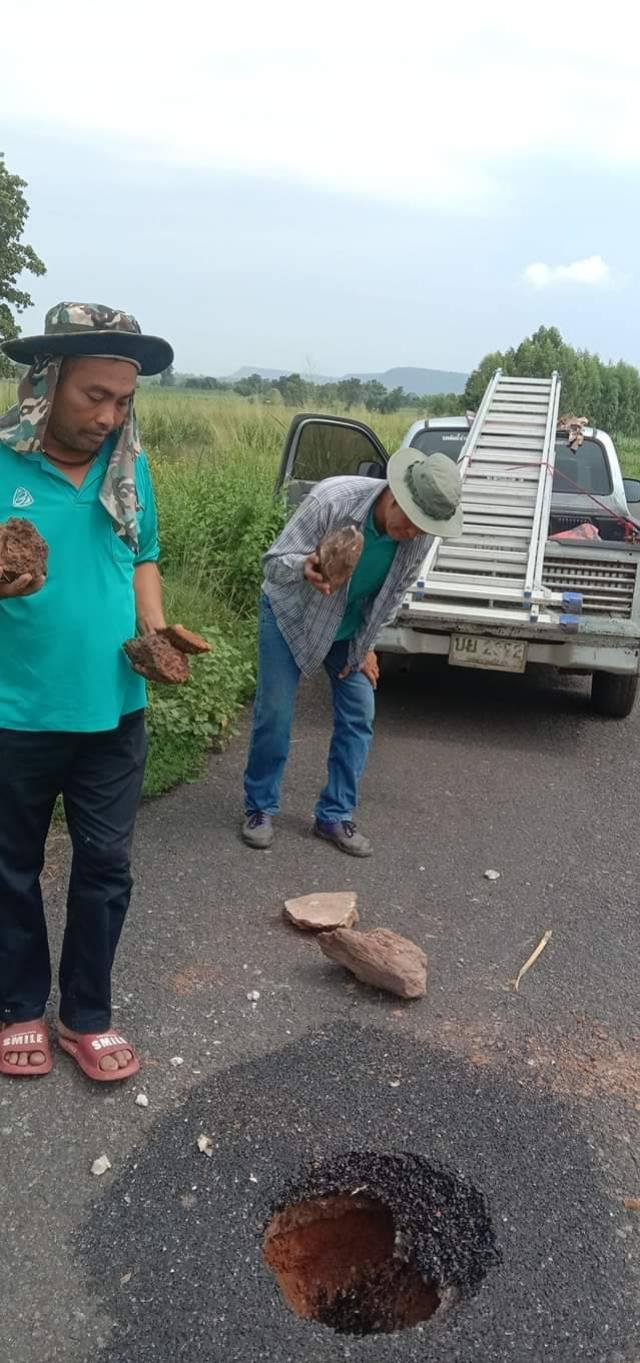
<point>71,707</point>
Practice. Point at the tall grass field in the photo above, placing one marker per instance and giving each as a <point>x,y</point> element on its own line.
<point>214,461</point>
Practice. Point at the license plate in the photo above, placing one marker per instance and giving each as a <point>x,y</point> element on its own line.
<point>496,655</point>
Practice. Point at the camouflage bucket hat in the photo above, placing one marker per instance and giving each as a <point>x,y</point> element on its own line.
<point>83,329</point>
<point>428,488</point>
<point>92,329</point>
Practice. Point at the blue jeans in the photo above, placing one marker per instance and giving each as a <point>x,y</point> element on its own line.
<point>353,711</point>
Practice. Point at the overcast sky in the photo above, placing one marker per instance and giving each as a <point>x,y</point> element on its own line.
<point>337,186</point>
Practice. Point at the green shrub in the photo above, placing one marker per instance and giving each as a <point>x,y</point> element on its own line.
<point>184,722</point>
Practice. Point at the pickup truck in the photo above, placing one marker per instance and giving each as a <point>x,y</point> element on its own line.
<point>604,571</point>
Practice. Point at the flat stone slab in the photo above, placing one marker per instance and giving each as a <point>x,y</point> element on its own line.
<point>380,958</point>
<point>322,912</point>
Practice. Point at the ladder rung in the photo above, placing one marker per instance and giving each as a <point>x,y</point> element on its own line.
<point>515,392</point>
<point>514,464</point>
<point>496,510</point>
<point>537,416</point>
<point>492,489</point>
<point>475,507</point>
<point>517,415</point>
<point>497,544</point>
<point>511,394</point>
<point>455,557</point>
<point>502,455</point>
<point>516,442</point>
<point>521,424</point>
<point>513,532</point>
<point>499,575</point>
<point>501,508</point>
<point>478,503</point>
<point>522,451</point>
<point>448,584</point>
<point>512,380</point>
<point>509,431</point>
<point>478,614</point>
<point>505,526</point>
<point>507,405</point>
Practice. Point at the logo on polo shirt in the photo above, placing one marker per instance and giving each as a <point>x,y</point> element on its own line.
<point>22,497</point>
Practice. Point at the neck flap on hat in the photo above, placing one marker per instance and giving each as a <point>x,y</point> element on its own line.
<point>23,429</point>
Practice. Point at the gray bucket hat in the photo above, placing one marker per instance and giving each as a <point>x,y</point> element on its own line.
<point>428,488</point>
<point>92,329</point>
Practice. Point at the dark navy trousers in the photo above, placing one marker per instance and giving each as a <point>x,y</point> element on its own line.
<point>99,777</point>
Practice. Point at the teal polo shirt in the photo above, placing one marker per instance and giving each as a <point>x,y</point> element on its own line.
<point>378,553</point>
<point>62,667</point>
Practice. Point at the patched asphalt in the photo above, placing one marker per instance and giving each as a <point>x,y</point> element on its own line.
<point>530,1098</point>
<point>188,1228</point>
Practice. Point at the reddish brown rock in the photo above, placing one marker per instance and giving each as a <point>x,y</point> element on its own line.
<point>184,639</point>
<point>22,550</point>
<point>339,554</point>
<point>574,428</point>
<point>322,912</point>
<point>381,958</point>
<point>156,659</point>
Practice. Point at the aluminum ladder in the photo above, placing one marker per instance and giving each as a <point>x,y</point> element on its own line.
<point>494,571</point>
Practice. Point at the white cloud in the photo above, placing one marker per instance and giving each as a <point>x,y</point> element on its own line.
<point>592,270</point>
<point>424,107</point>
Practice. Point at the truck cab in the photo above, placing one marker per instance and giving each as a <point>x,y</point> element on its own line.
<point>592,471</point>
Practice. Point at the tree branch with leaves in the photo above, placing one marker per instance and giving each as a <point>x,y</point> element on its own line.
<point>16,257</point>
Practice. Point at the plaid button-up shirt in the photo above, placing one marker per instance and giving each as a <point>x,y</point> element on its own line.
<point>307,619</point>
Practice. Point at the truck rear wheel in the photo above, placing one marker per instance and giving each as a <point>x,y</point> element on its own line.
<point>613,695</point>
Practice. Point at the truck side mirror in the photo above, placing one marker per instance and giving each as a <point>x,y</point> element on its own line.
<point>369,468</point>
<point>632,489</point>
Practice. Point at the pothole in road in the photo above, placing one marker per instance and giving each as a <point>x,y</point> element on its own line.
<point>378,1244</point>
<point>334,1261</point>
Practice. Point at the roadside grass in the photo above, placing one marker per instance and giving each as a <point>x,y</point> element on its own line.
<point>628,447</point>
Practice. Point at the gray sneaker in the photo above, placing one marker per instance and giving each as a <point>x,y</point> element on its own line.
<point>257,830</point>
<point>345,836</point>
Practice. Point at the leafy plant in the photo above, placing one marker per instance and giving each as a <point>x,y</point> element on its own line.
<point>185,722</point>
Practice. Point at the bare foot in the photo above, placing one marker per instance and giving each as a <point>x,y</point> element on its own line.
<point>23,1058</point>
<point>118,1060</point>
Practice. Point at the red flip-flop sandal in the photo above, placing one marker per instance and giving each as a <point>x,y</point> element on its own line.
<point>25,1037</point>
<point>88,1050</point>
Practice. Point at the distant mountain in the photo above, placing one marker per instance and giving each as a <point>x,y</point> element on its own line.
<point>420,381</point>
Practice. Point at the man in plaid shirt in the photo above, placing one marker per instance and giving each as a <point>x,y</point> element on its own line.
<point>303,626</point>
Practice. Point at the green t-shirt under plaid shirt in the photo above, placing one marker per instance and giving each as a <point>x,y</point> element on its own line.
<point>378,553</point>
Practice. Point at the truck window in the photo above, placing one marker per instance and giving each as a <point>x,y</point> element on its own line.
<point>587,467</point>
<point>328,450</point>
<point>440,442</point>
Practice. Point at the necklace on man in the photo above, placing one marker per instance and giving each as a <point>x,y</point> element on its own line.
<point>70,463</point>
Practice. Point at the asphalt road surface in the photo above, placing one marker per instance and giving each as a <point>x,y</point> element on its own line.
<point>511,1119</point>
